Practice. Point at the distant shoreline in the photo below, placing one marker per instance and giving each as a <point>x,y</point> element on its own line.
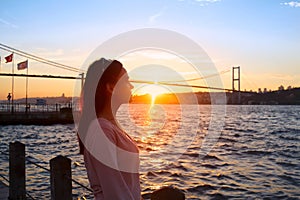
<point>279,97</point>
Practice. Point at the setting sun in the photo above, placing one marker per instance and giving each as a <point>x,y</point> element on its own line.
<point>153,90</point>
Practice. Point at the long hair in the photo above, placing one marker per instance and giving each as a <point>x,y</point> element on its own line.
<point>109,76</point>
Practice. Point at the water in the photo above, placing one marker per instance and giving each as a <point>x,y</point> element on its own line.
<point>257,155</point>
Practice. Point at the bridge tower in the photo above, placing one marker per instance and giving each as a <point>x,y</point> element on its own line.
<point>236,78</point>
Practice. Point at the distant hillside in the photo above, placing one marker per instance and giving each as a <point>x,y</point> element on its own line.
<point>49,100</point>
<point>280,97</point>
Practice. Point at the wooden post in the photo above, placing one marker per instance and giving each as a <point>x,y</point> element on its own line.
<point>60,176</point>
<point>17,188</point>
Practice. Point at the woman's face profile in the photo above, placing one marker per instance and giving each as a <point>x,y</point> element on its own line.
<point>122,90</point>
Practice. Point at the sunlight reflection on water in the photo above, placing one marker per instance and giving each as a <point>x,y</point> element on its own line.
<point>257,155</point>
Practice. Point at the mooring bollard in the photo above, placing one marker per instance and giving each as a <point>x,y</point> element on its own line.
<point>17,184</point>
<point>168,193</point>
<point>60,178</point>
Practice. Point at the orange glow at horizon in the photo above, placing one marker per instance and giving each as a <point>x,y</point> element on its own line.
<point>36,87</point>
<point>153,90</point>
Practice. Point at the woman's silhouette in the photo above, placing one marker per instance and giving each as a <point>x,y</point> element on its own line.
<point>110,154</point>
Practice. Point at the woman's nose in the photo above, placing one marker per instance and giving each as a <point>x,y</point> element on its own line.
<point>131,86</point>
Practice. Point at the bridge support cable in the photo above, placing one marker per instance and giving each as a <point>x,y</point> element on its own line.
<point>39,59</point>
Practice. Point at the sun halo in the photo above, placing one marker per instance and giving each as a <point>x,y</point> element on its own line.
<point>154,90</point>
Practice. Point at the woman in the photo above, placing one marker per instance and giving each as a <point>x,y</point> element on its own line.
<point>110,155</point>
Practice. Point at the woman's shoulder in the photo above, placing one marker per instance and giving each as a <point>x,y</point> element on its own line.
<point>117,135</point>
<point>105,123</point>
<point>100,128</point>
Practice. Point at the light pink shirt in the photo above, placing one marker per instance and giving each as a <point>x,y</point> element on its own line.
<point>106,182</point>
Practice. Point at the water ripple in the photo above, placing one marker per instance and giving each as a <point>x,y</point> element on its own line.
<point>257,156</point>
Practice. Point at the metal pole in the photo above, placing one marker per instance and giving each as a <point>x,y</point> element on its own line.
<point>232,79</point>
<point>12,86</point>
<point>239,70</point>
<point>239,84</point>
<point>26,109</point>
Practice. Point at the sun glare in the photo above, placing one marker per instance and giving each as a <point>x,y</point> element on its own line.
<point>154,91</point>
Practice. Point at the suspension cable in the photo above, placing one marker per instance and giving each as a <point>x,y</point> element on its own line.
<point>37,58</point>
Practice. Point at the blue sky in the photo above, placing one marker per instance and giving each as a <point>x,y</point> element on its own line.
<point>262,36</point>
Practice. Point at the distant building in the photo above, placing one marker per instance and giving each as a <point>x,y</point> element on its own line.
<point>41,102</point>
<point>259,90</point>
<point>265,90</point>
<point>280,88</point>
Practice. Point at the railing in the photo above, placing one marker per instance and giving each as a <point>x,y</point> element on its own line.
<point>21,107</point>
<point>60,178</point>
<point>60,175</point>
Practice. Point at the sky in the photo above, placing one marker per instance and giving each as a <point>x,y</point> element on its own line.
<point>262,37</point>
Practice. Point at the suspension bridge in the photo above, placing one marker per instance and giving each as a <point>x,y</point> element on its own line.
<point>54,111</point>
<point>15,113</point>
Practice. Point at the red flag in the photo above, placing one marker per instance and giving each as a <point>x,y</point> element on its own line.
<point>9,58</point>
<point>23,65</point>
